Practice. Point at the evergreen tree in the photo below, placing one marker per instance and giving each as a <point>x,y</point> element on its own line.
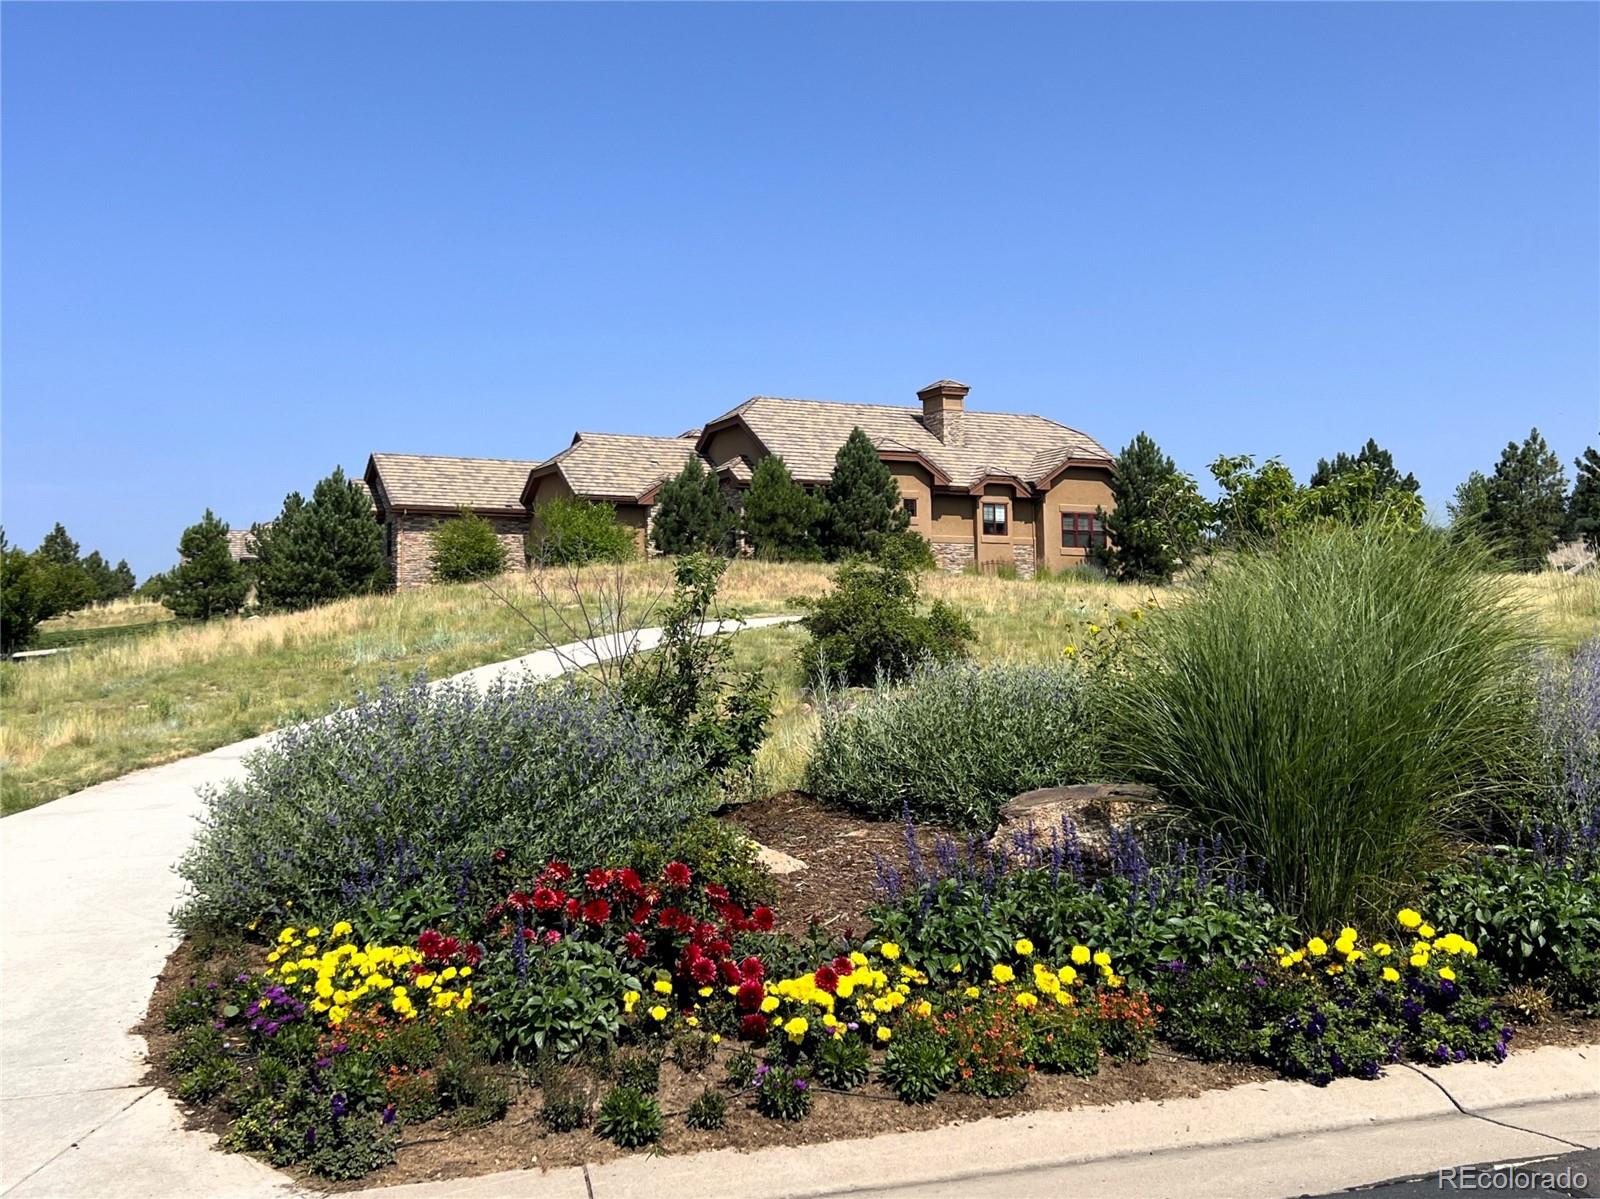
<point>863,499</point>
<point>207,581</point>
<point>58,547</point>
<point>692,514</point>
<point>320,550</point>
<point>1469,507</point>
<point>1583,508</point>
<point>1527,503</point>
<point>1372,454</point>
<point>783,522</point>
<point>125,581</point>
<point>1159,519</point>
<point>103,580</point>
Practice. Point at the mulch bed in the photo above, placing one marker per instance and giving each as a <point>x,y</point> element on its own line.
<point>841,852</point>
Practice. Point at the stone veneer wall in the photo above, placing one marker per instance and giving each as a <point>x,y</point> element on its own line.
<point>954,556</point>
<point>1023,555</point>
<point>412,544</point>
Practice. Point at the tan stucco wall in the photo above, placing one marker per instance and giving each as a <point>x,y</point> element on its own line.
<point>735,441</point>
<point>917,484</point>
<point>1079,489</point>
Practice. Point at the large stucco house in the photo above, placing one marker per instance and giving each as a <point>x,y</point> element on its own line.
<point>987,489</point>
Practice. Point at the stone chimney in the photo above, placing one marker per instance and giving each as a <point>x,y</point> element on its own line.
<point>944,405</point>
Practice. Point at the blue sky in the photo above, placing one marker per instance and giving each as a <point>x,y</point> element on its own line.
<point>243,243</point>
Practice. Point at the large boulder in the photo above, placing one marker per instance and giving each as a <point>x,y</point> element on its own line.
<point>1028,822</point>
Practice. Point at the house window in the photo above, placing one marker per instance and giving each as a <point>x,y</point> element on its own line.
<point>1082,531</point>
<point>994,520</point>
<point>910,505</point>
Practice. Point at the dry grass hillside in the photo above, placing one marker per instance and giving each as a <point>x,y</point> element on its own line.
<point>113,705</point>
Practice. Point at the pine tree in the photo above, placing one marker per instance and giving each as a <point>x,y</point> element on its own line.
<point>102,579</point>
<point>863,499</point>
<point>783,522</point>
<point>207,581</point>
<point>58,547</point>
<point>320,550</point>
<point>1159,517</point>
<point>125,582</point>
<point>693,515</point>
<point>1469,507</point>
<point>1372,454</point>
<point>1583,508</point>
<point>1527,503</point>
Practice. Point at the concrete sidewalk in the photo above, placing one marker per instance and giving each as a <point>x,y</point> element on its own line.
<point>85,896</point>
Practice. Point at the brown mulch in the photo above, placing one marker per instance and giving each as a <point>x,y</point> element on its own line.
<point>1558,1028</point>
<point>841,851</point>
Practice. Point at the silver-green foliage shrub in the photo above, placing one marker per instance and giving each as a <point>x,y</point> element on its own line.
<point>956,741</point>
<point>1339,706</point>
<point>398,807</point>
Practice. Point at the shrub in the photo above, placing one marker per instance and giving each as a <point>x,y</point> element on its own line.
<point>629,1118</point>
<point>1223,1013</point>
<point>782,1093</point>
<point>1064,1041</point>
<point>708,1112</point>
<point>986,1041</point>
<point>687,684</point>
<point>464,548</point>
<point>917,1068</point>
<point>574,531</point>
<point>342,1148</point>
<point>1337,708</point>
<point>394,810</point>
<point>957,741</point>
<point>842,1062</point>
<point>1127,1024</point>
<point>869,628</point>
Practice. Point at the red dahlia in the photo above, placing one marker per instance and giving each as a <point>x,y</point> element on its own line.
<point>640,914</point>
<point>597,911</point>
<point>843,965</point>
<point>628,879</point>
<point>677,875</point>
<point>827,979</point>
<point>717,892</point>
<point>546,900</point>
<point>635,945</point>
<point>763,919</point>
<point>753,1026</point>
<point>518,900</point>
<point>597,879</point>
<point>750,996</point>
<point>572,909</point>
<point>730,974</point>
<point>752,968</point>
<point>557,871</point>
<point>703,971</point>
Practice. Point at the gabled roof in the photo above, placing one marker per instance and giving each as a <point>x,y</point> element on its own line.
<point>429,482</point>
<point>614,466</point>
<point>808,433</point>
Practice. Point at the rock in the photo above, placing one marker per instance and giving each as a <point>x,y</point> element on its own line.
<point>1093,808</point>
<point>776,862</point>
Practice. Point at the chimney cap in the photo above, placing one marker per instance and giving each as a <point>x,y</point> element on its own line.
<point>946,386</point>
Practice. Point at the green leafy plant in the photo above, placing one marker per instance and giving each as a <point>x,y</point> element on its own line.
<point>870,628</point>
<point>1223,1013</point>
<point>708,1112</point>
<point>917,1068</point>
<point>1339,707</point>
<point>350,1147</point>
<point>691,1050</point>
<point>566,1103</point>
<point>638,1070</point>
<point>842,1063</point>
<point>573,531</point>
<point>629,1118</point>
<point>207,1080</point>
<point>1063,1041</point>
<point>741,1069</point>
<point>783,1093</point>
<point>561,1002</point>
<point>956,741</point>
<point>464,548</point>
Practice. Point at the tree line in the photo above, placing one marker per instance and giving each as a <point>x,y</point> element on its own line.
<point>1519,512</point>
<point>50,581</point>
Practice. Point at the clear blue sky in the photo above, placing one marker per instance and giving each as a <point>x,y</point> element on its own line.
<point>243,244</point>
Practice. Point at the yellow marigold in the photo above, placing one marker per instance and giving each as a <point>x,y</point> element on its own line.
<point>1317,947</point>
<point>1428,931</point>
<point>884,1034</point>
<point>1383,949</point>
<point>769,1004</point>
<point>924,1008</point>
<point>1002,973</point>
<point>658,1013</point>
<point>1409,917</point>
<point>662,987</point>
<point>889,950</point>
<point>1027,999</point>
<point>1080,955</point>
<point>341,928</point>
<point>1447,974</point>
<point>972,992</point>
<point>1391,975</point>
<point>1067,975</point>
<point>1023,946</point>
<point>1419,959</point>
<point>1103,960</point>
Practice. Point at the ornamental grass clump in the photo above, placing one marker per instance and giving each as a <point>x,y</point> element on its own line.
<point>956,741</point>
<point>396,809</point>
<point>1338,706</point>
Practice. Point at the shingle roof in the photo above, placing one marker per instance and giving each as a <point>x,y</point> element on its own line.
<point>808,433</point>
<point>434,482</point>
<point>240,544</point>
<point>618,466</point>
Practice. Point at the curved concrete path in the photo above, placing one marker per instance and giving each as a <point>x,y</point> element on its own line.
<point>86,891</point>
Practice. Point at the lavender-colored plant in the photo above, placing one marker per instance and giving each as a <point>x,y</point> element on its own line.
<point>399,804</point>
